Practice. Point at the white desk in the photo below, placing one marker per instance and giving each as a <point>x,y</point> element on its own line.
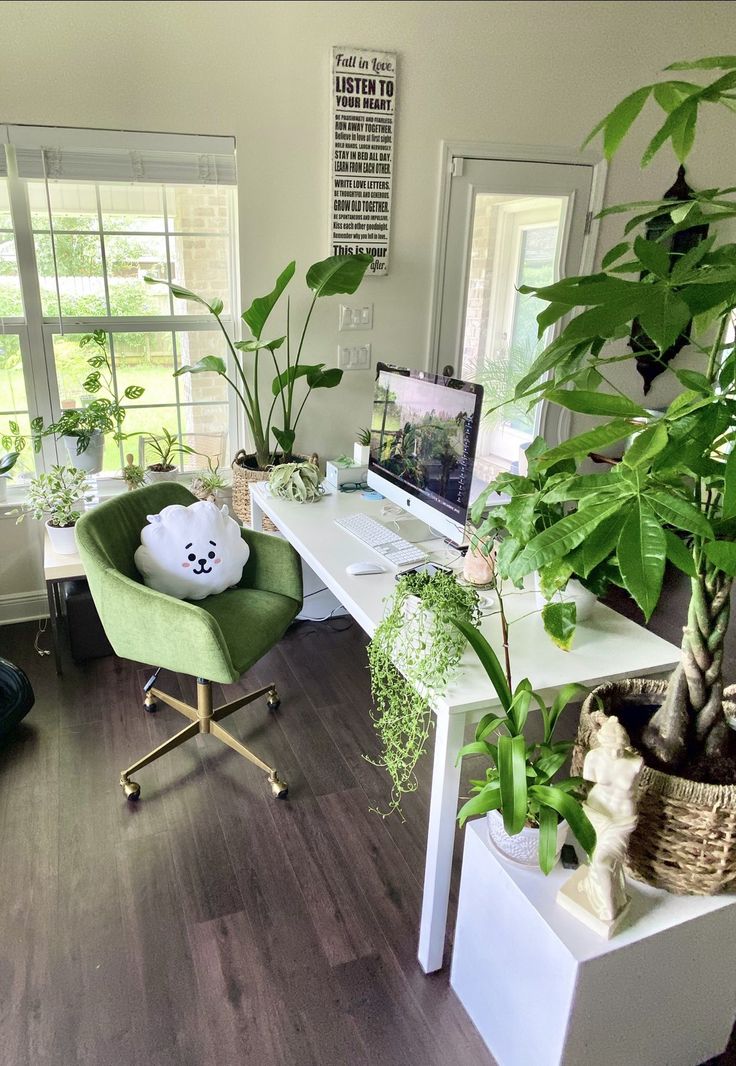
<point>606,646</point>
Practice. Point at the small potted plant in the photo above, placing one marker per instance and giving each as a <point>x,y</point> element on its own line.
<point>57,497</point>
<point>362,447</point>
<point>83,429</point>
<point>165,446</point>
<point>416,633</point>
<point>528,804</point>
<point>134,475</point>
<point>300,482</point>
<point>14,442</point>
<point>209,485</point>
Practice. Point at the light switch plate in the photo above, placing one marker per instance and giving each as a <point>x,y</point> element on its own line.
<point>351,318</point>
<point>354,356</point>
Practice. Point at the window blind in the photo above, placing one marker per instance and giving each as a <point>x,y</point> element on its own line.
<point>61,153</point>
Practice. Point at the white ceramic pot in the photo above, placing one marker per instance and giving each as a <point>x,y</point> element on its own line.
<point>91,459</point>
<point>62,539</point>
<point>161,475</point>
<point>583,598</point>
<point>361,454</point>
<point>524,847</point>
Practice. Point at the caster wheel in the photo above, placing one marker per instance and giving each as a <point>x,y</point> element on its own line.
<point>150,707</point>
<point>132,790</point>
<point>279,788</point>
<point>274,701</point>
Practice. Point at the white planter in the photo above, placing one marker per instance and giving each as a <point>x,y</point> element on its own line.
<point>91,459</point>
<point>524,847</point>
<point>361,454</point>
<point>161,475</point>
<point>574,591</point>
<point>62,539</point>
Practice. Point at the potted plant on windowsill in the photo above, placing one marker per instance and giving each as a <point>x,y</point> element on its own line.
<point>165,446</point>
<point>672,495</point>
<point>134,475</point>
<point>413,654</point>
<point>57,497</point>
<point>83,429</point>
<point>529,806</point>
<point>273,425</point>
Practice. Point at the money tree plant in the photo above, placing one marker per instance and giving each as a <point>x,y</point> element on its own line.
<point>672,496</point>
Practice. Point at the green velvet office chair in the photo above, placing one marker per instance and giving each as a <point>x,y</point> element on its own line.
<point>215,639</point>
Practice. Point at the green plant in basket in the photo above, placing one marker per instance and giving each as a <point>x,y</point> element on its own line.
<point>416,633</point>
<point>523,779</point>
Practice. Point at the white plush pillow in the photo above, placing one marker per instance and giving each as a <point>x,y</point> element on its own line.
<point>191,552</point>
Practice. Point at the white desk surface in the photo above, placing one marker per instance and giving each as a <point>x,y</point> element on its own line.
<point>57,567</point>
<point>606,647</point>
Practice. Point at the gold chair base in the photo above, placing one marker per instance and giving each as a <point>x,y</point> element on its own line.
<point>204,719</point>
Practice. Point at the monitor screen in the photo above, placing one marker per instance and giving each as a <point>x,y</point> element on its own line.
<point>423,434</point>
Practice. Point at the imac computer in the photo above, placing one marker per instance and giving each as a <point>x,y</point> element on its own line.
<point>424,429</point>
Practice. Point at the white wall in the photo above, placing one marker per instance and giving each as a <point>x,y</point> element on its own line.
<point>519,73</point>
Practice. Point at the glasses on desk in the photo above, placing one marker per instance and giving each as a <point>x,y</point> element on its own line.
<point>353,486</point>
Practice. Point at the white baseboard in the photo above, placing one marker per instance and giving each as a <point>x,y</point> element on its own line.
<point>23,607</point>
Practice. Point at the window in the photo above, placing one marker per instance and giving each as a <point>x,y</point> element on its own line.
<point>81,225</point>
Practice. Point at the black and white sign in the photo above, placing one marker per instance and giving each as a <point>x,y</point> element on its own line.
<point>363,109</point>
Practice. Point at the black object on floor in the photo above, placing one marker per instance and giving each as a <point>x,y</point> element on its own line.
<point>86,636</point>
<point>16,696</point>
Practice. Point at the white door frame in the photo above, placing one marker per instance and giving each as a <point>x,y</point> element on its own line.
<point>554,426</point>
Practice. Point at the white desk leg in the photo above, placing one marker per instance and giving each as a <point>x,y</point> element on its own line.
<point>256,515</point>
<point>448,740</point>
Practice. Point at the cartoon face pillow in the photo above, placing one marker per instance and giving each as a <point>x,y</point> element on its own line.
<point>191,552</point>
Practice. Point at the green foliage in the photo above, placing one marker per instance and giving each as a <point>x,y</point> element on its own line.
<point>15,442</point>
<point>134,475</point>
<point>165,446</point>
<point>209,482</point>
<point>105,413</point>
<point>56,496</point>
<point>363,437</point>
<point>412,655</point>
<point>299,482</point>
<point>337,274</point>
<point>522,779</point>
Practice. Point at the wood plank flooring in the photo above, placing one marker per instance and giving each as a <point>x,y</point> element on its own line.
<point>211,925</point>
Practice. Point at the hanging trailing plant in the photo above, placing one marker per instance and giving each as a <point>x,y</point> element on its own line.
<point>416,633</point>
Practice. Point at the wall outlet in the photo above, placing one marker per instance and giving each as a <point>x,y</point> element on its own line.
<point>354,357</point>
<point>355,317</point>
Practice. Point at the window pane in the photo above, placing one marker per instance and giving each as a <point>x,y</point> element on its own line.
<point>201,264</point>
<point>145,359</point>
<point>206,430</point>
<point>12,387</point>
<point>128,260</point>
<point>198,208</point>
<point>190,348</point>
<point>5,222</point>
<point>72,369</point>
<point>24,464</point>
<point>149,421</point>
<point>11,302</point>
<point>79,263</point>
<point>73,206</point>
<point>132,207</point>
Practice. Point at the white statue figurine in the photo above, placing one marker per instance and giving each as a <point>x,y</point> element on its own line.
<point>614,769</point>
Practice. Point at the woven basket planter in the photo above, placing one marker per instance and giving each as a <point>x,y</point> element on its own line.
<point>685,838</point>
<point>243,477</point>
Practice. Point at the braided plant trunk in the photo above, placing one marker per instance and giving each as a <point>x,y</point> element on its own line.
<point>691,719</point>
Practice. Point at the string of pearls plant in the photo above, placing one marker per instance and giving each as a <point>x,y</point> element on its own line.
<point>416,632</point>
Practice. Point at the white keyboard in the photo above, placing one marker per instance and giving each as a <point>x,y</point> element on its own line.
<point>389,545</point>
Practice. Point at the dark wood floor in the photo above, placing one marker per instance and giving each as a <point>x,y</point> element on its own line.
<point>211,924</point>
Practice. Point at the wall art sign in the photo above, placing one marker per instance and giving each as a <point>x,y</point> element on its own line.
<point>363,111</point>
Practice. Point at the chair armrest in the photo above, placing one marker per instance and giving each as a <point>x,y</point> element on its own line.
<point>149,627</point>
<point>273,565</point>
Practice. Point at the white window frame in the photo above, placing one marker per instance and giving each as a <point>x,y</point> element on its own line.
<point>36,330</point>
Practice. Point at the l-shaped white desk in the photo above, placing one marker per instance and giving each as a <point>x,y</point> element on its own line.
<point>607,646</point>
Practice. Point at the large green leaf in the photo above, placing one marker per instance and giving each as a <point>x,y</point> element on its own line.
<point>489,723</point>
<point>338,274</point>
<point>641,556</point>
<point>665,318</point>
<point>280,382</point>
<point>559,619</point>
<point>679,513</point>
<point>257,314</point>
<point>324,379</point>
<point>617,122</point>
<point>180,293</point>
<point>488,799</point>
<point>284,438</point>
<point>568,693</point>
<point>722,554</point>
<point>488,660</point>
<point>678,554</point>
<point>708,63</point>
<point>559,539</point>
<point>591,440</point>
<point>512,776</point>
<point>547,838</point>
<point>646,445</point>
<point>598,545</point>
<point>208,364</point>
<point>729,493</point>
<point>595,403</point>
<point>653,256</point>
<point>568,808</point>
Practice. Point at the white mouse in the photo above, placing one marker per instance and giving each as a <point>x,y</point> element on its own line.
<point>364,568</point>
